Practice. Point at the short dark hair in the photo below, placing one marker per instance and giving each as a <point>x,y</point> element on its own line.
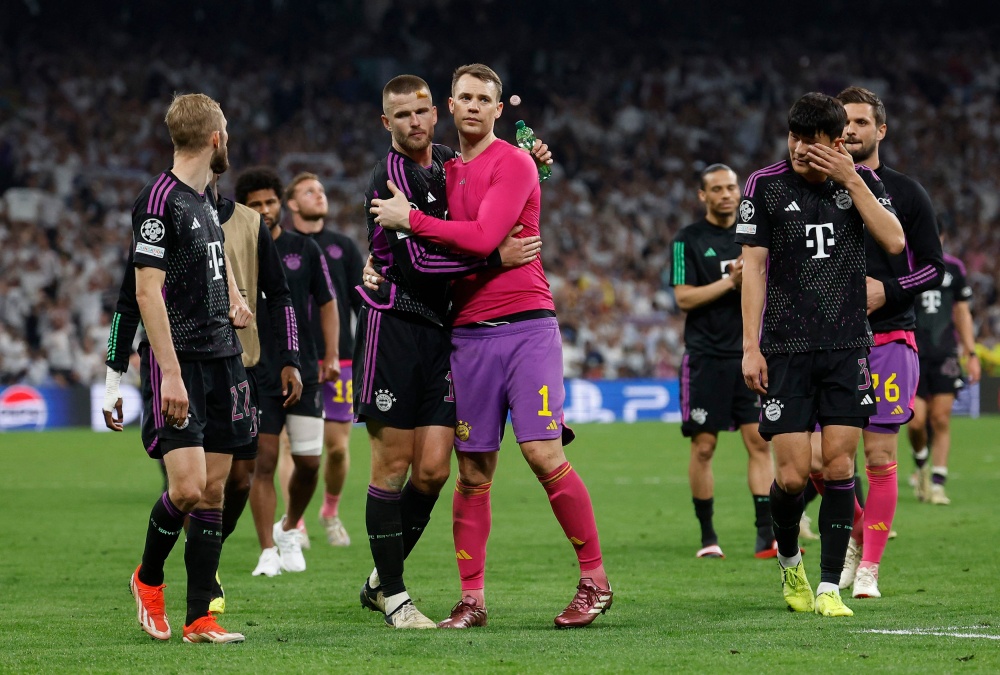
<point>712,168</point>
<point>480,72</point>
<point>817,113</point>
<point>862,95</point>
<point>257,178</point>
<point>403,84</point>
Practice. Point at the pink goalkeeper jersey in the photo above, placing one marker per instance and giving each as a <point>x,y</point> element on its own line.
<point>487,196</point>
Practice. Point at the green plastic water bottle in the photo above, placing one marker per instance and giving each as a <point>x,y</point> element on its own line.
<point>526,139</point>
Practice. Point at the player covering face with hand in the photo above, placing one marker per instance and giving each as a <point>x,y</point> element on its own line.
<point>802,225</point>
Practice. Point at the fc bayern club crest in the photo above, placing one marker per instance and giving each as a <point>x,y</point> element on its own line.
<point>384,399</point>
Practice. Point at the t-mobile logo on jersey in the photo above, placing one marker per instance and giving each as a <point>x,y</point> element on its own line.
<point>816,237</point>
<point>931,301</point>
<point>216,259</point>
<point>727,267</point>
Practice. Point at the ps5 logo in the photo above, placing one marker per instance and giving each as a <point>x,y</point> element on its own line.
<point>816,237</point>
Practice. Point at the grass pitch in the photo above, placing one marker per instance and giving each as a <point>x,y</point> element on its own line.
<point>74,506</point>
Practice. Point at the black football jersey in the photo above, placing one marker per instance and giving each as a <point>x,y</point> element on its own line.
<point>935,322</point>
<point>310,287</point>
<point>345,265</point>
<point>417,272</point>
<point>702,254</point>
<point>918,268</point>
<point>816,293</point>
<point>177,230</point>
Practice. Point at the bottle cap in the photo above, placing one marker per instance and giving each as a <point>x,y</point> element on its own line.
<point>520,124</point>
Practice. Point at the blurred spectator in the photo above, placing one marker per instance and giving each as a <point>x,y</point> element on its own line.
<point>631,125</point>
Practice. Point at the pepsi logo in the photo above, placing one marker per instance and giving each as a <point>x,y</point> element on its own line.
<point>22,407</point>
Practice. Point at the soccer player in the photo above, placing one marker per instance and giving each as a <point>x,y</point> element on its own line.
<point>506,348</point>
<point>893,282</point>
<point>942,314</point>
<point>402,375</point>
<point>805,330</point>
<point>707,276</point>
<point>308,280</point>
<point>306,199</point>
<point>256,268</point>
<point>194,387</point>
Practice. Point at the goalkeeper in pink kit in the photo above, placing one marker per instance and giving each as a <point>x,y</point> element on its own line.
<point>507,349</point>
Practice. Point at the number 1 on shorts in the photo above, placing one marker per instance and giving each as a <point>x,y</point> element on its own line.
<point>544,412</point>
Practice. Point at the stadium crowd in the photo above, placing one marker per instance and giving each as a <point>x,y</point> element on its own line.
<point>80,133</point>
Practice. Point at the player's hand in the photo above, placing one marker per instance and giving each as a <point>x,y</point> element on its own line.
<point>291,386</point>
<point>113,401</point>
<point>370,277</point>
<point>755,371</point>
<point>973,369</point>
<point>736,273</point>
<point>516,252</point>
<point>836,162</point>
<point>329,369</point>
<point>876,293</point>
<point>393,214</point>
<point>540,152</point>
<point>174,397</point>
<point>239,312</point>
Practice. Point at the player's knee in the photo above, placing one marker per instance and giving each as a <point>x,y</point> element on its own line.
<point>391,473</point>
<point>212,496</point>
<point>941,420</point>
<point>336,452</point>
<point>838,468</point>
<point>703,451</point>
<point>306,467</point>
<point>430,479</point>
<point>790,480</point>
<point>238,480</point>
<point>186,495</point>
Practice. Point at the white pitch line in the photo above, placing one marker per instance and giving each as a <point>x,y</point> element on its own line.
<point>937,633</point>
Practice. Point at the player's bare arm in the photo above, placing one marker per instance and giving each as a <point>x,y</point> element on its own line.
<point>692,297</point>
<point>837,163</point>
<point>962,316</point>
<point>329,319</point>
<point>149,294</point>
<point>239,312</point>
<point>754,281</point>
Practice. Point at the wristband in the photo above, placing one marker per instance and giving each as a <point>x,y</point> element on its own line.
<point>111,393</point>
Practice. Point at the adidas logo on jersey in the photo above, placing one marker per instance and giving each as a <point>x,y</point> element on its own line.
<point>710,253</point>
<point>552,426</point>
<point>430,198</point>
<point>867,400</point>
<point>898,410</point>
<point>794,206</point>
<point>195,225</point>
